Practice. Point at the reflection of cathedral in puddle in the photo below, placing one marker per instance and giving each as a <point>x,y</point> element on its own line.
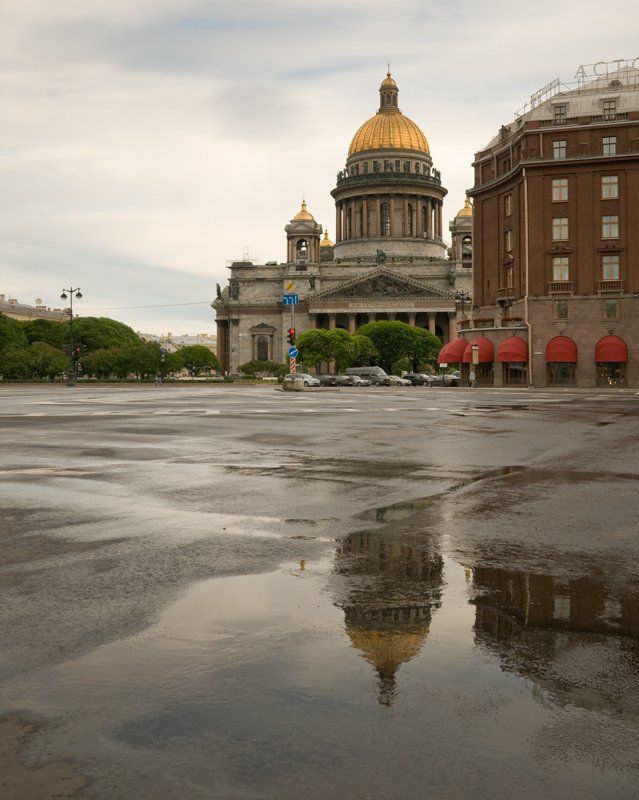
<point>394,586</point>
<point>538,624</point>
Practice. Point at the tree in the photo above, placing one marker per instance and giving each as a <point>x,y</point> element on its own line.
<point>365,351</point>
<point>171,363</point>
<point>393,341</point>
<point>49,331</point>
<point>341,348</point>
<point>314,347</point>
<point>11,333</point>
<point>197,358</point>
<point>263,368</point>
<point>47,361</point>
<point>426,347</point>
<point>16,363</point>
<point>101,332</point>
<point>102,363</point>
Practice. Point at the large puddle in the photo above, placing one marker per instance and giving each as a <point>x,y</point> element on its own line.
<point>386,671</point>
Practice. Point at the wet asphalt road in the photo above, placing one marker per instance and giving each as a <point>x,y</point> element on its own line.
<point>227,592</point>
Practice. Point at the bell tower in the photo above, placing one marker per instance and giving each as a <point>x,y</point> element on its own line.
<point>303,239</point>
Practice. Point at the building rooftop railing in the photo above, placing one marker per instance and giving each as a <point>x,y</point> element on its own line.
<point>369,178</point>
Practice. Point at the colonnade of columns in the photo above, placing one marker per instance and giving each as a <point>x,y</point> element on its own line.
<point>350,321</point>
<point>362,217</point>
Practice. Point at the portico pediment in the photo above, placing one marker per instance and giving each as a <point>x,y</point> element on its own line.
<point>379,284</point>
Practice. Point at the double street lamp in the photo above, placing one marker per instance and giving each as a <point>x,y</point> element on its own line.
<point>462,298</point>
<point>71,372</point>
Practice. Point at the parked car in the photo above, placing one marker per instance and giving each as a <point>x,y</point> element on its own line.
<point>359,381</point>
<point>327,380</point>
<point>446,380</point>
<point>395,380</point>
<point>375,375</point>
<point>417,379</point>
<point>309,380</point>
<point>346,380</point>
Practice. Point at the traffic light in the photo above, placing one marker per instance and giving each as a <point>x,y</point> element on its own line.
<point>84,349</point>
<point>291,336</point>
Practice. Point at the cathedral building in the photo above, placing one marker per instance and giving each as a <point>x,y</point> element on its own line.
<point>388,261</point>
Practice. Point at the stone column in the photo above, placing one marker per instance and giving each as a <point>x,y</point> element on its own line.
<point>429,222</point>
<point>352,320</point>
<point>338,222</point>
<point>365,217</point>
<point>439,218</point>
<point>371,316</point>
<point>313,321</point>
<point>452,326</point>
<point>331,322</point>
<point>431,322</point>
<point>391,209</point>
<point>411,318</point>
<point>378,215</point>
<point>406,225</point>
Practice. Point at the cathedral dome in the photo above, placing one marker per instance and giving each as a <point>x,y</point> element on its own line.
<point>389,129</point>
<point>303,214</point>
<point>467,210</point>
<point>326,242</point>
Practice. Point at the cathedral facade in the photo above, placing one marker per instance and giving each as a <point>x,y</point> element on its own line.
<point>389,259</point>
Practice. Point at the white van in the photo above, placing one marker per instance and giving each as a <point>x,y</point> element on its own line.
<point>375,375</point>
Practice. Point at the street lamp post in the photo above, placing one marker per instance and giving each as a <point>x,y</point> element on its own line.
<point>64,296</point>
<point>462,298</point>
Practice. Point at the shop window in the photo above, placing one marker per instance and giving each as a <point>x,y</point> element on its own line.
<point>610,226</point>
<point>612,373</point>
<point>515,374</point>
<point>609,187</point>
<point>560,268</point>
<point>559,190</point>
<point>560,308</point>
<point>560,373</point>
<point>611,309</point>
<point>560,229</point>
<point>559,149</point>
<point>609,145</point>
<point>483,373</point>
<point>610,268</point>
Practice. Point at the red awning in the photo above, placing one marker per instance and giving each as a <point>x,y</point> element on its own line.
<point>513,349</point>
<point>452,352</point>
<point>486,351</point>
<point>611,348</point>
<point>561,349</point>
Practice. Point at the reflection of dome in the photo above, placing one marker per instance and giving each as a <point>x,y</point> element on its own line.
<point>326,242</point>
<point>389,128</point>
<point>303,214</point>
<point>467,210</point>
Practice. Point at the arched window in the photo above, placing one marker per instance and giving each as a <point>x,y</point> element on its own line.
<point>409,222</point>
<point>261,351</point>
<point>385,218</point>
<point>302,251</point>
<point>424,220</point>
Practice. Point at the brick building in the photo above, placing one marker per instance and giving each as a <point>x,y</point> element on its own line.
<point>556,240</point>
<point>388,261</point>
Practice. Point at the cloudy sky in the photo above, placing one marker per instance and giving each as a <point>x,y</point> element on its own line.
<point>145,143</point>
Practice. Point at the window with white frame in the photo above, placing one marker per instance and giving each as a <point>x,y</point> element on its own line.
<point>559,148</point>
<point>560,229</point>
<point>559,190</point>
<point>609,187</point>
<point>609,144</point>
<point>560,268</point>
<point>609,108</point>
<point>610,268</point>
<point>610,226</point>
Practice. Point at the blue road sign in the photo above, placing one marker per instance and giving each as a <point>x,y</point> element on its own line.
<point>292,351</point>
<point>290,299</point>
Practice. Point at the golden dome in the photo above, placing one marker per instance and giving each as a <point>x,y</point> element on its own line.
<point>326,242</point>
<point>303,214</point>
<point>389,129</point>
<point>467,210</point>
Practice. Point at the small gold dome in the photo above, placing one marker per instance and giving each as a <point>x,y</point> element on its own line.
<point>326,242</point>
<point>303,214</point>
<point>389,129</point>
<point>467,210</point>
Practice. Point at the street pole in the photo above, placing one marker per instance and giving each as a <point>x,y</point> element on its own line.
<point>71,371</point>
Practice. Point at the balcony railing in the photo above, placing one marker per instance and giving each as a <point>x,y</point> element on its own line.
<point>609,117</point>
<point>369,178</point>
<point>551,123</point>
<point>610,286</point>
<point>505,293</point>
<point>559,286</point>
